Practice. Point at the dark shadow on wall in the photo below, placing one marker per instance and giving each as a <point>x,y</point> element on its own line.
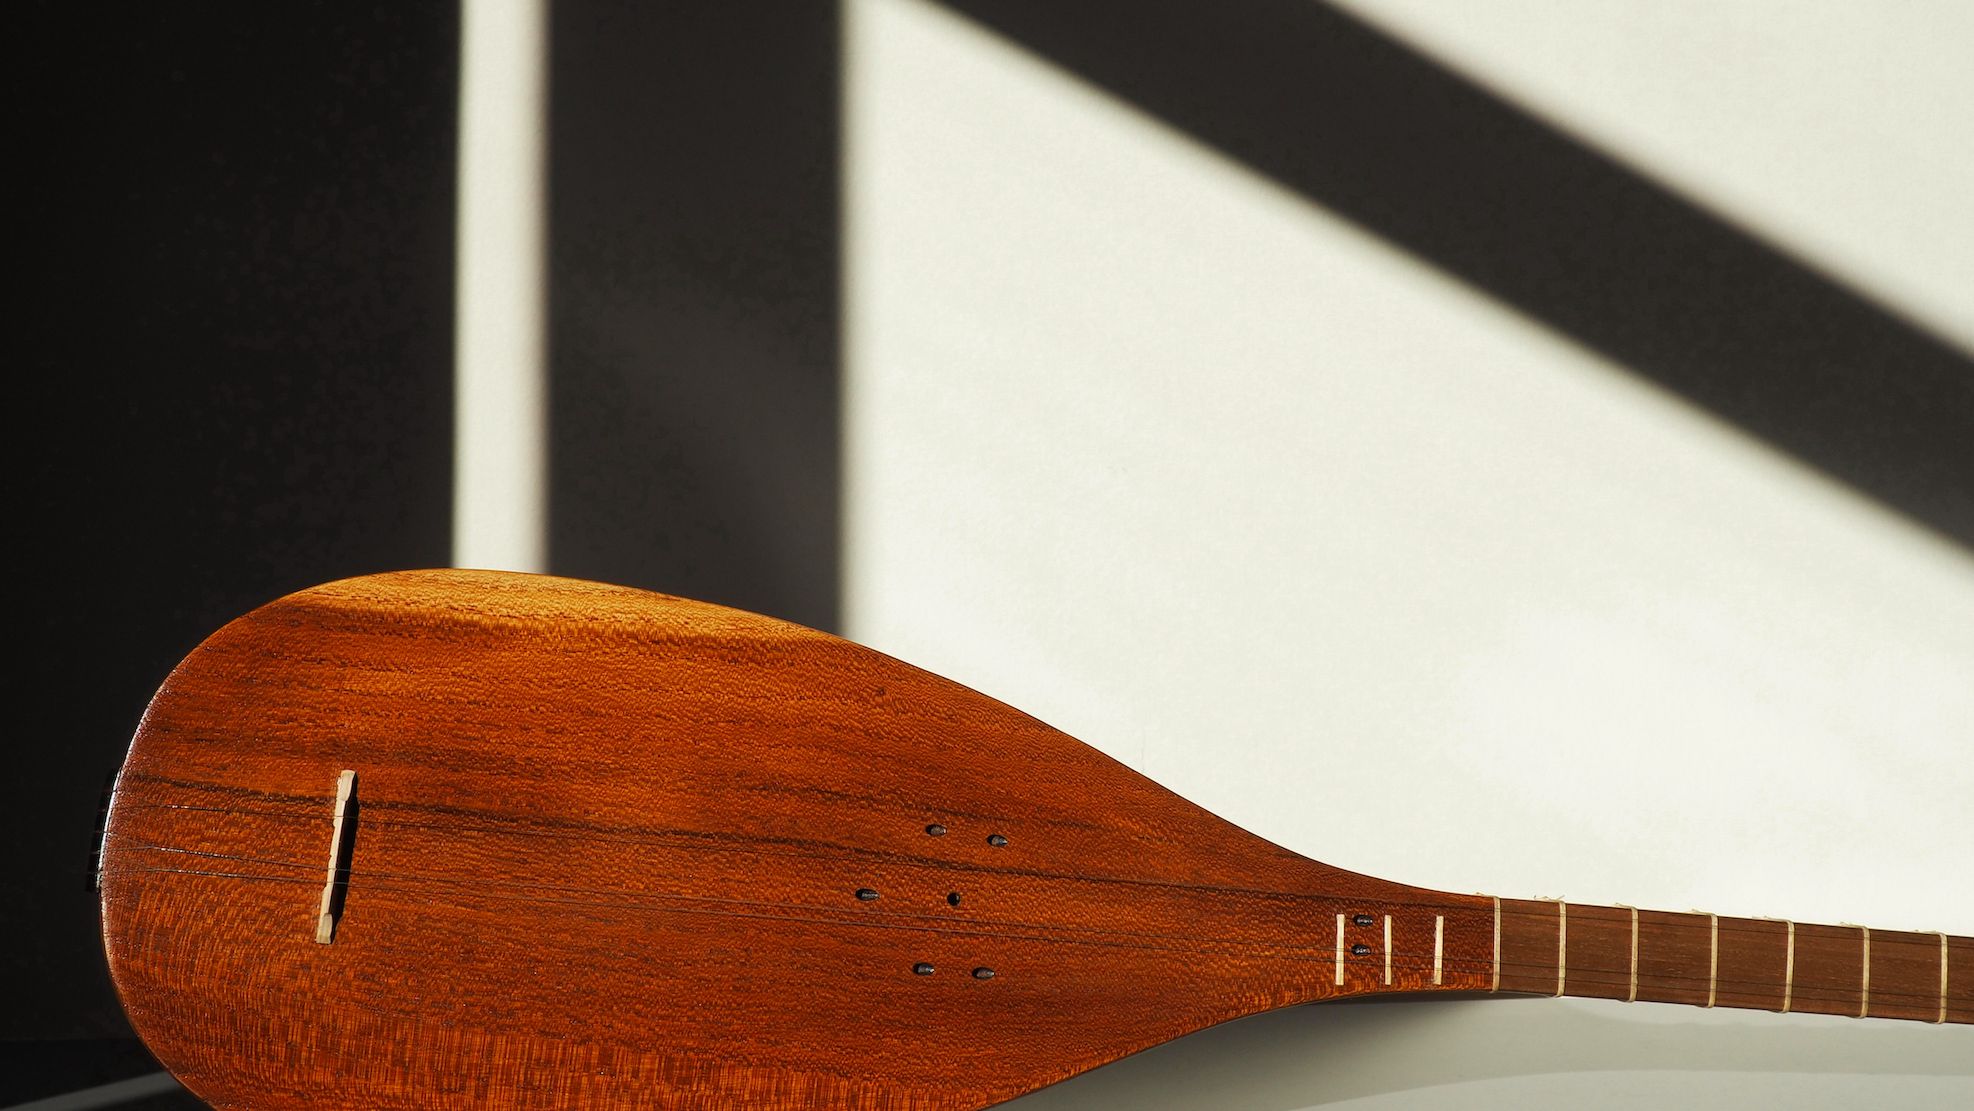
<point>1371,129</point>
<point>693,301</point>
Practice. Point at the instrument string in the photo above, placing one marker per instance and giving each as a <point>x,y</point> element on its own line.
<point>1844,999</point>
<point>417,884</point>
<point>1756,927</point>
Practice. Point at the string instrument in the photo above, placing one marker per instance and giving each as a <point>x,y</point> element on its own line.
<point>455,838</point>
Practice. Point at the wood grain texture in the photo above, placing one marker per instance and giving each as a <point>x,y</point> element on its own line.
<point>608,849</point>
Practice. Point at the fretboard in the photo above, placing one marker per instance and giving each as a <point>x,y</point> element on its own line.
<point>1557,948</point>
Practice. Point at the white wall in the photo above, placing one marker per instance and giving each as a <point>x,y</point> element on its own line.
<point>1342,550</point>
<point>500,395</point>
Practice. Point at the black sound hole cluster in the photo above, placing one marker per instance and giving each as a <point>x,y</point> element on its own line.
<point>953,899</point>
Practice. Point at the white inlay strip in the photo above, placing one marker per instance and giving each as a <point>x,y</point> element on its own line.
<point>1387,948</point>
<point>1496,986</point>
<point>1864,985</point>
<point>1713,956</point>
<point>1943,978</point>
<point>1789,969</point>
<point>1439,946</point>
<point>1339,949</point>
<point>325,923</point>
<point>1562,941</point>
<point>1631,993</point>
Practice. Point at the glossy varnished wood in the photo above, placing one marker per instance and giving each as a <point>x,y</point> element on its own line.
<point>1591,951</point>
<point>608,850</point>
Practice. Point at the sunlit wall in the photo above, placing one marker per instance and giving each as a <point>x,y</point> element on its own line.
<point>1354,554</point>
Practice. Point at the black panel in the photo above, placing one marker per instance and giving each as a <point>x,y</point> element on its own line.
<point>1385,136</point>
<point>693,303</point>
<point>94,1072</point>
<point>236,381</point>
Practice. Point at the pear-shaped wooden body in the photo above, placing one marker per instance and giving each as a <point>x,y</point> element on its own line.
<point>616,849</point>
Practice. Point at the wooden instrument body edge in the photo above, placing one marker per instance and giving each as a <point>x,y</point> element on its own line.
<point>608,848</point>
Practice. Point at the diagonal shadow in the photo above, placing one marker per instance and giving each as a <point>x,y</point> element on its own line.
<point>1383,135</point>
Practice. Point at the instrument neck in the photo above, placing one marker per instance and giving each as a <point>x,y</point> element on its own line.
<point>1556,948</point>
